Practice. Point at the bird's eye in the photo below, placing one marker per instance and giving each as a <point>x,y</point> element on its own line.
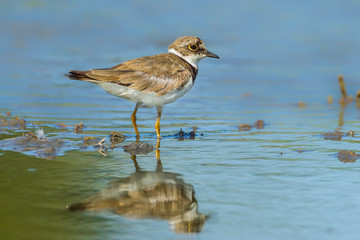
<point>193,47</point>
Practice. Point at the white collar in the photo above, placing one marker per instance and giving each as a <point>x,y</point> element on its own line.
<point>193,60</point>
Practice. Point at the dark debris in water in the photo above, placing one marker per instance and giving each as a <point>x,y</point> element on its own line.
<point>337,135</point>
<point>116,137</point>
<point>181,135</point>
<point>347,156</point>
<point>135,148</point>
<point>79,128</point>
<point>334,136</point>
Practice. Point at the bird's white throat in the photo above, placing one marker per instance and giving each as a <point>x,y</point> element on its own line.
<point>193,60</point>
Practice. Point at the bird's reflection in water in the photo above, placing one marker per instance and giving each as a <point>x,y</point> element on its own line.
<point>150,194</point>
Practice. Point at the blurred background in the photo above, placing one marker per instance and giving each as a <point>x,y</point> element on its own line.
<point>280,182</point>
<point>303,45</point>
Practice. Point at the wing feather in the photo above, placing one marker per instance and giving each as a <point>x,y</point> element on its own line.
<point>159,73</point>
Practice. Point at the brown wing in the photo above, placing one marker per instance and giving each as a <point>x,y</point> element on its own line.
<point>159,73</point>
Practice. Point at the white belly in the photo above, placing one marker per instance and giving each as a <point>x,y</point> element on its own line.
<point>149,99</point>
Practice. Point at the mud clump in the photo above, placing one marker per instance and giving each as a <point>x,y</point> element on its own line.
<point>347,156</point>
<point>337,135</point>
<point>79,128</point>
<point>181,135</point>
<point>116,137</point>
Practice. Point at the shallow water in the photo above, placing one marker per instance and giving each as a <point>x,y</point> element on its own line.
<point>280,182</point>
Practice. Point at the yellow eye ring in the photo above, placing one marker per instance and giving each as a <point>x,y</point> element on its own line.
<point>193,47</point>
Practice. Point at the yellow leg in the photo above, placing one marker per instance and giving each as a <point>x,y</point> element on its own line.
<point>133,157</point>
<point>157,127</point>
<point>157,150</point>
<point>157,124</point>
<point>159,166</point>
<point>133,120</point>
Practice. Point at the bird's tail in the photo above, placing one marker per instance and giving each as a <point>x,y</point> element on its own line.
<point>77,75</point>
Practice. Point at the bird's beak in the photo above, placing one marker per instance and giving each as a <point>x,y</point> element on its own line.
<point>212,55</point>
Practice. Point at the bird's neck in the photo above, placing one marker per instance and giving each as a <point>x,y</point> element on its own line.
<point>193,60</point>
